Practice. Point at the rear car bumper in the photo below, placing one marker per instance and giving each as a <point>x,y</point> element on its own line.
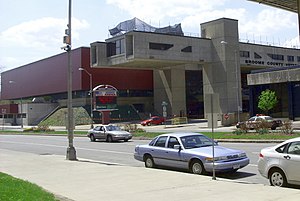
<point>138,157</point>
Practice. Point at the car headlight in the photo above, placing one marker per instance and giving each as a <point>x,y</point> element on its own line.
<point>242,155</point>
<point>220,158</point>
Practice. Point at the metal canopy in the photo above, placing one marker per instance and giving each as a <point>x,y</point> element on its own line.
<point>290,5</point>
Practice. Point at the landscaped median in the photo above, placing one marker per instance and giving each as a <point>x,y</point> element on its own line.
<point>141,134</point>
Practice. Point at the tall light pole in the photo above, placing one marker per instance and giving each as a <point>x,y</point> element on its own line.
<point>71,152</point>
<point>21,110</point>
<point>91,94</point>
<point>237,80</point>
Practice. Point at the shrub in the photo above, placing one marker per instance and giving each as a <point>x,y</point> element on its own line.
<point>131,128</point>
<point>239,131</point>
<point>244,128</point>
<point>287,127</point>
<point>262,127</point>
<point>40,128</point>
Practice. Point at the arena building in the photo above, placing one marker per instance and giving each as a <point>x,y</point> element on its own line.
<point>151,66</point>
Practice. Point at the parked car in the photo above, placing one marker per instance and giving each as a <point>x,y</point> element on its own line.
<point>155,120</point>
<point>280,164</point>
<point>190,151</point>
<point>109,133</point>
<point>254,122</point>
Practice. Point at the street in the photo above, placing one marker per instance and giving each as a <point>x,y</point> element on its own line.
<point>120,153</point>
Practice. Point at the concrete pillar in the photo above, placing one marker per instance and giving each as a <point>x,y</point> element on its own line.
<point>169,86</point>
<point>222,75</point>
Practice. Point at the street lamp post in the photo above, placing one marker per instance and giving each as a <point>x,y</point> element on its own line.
<point>21,103</point>
<point>91,94</point>
<point>71,152</point>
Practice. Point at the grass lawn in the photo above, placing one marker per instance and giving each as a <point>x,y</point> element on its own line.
<point>272,135</point>
<point>230,135</point>
<point>12,189</point>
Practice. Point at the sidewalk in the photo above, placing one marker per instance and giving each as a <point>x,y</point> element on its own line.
<point>84,180</point>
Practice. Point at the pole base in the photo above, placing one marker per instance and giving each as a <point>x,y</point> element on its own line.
<point>71,154</point>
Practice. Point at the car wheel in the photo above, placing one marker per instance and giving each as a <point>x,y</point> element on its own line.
<point>126,140</point>
<point>277,178</point>
<point>149,163</point>
<point>197,167</point>
<point>149,124</point>
<point>109,138</point>
<point>92,138</point>
<point>273,127</point>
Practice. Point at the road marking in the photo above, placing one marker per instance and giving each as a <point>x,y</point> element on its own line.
<point>59,146</point>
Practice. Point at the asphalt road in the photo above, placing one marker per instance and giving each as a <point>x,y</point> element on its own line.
<point>120,152</point>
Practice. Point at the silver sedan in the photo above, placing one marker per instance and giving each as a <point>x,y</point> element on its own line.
<point>281,163</point>
<point>109,133</point>
<point>191,151</point>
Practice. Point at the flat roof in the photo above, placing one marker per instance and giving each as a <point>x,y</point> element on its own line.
<point>290,5</point>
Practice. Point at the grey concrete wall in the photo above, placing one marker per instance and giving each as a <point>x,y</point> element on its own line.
<point>289,75</point>
<point>222,74</point>
<point>36,111</point>
<point>169,86</point>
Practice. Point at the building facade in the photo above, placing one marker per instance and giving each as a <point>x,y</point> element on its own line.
<point>186,70</point>
<point>150,69</point>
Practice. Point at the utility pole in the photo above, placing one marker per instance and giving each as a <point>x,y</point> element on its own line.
<point>71,152</point>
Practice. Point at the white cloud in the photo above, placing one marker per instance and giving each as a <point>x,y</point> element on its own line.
<point>268,21</point>
<point>36,39</point>
<point>40,33</point>
<point>157,10</point>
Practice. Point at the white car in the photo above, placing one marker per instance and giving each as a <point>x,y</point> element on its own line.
<point>109,133</point>
<point>281,163</point>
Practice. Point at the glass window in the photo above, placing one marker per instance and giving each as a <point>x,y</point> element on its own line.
<point>245,54</point>
<point>298,59</point>
<point>172,141</point>
<point>160,46</point>
<point>294,148</point>
<point>257,56</point>
<point>187,49</point>
<point>161,141</point>
<point>195,141</point>
<point>152,142</point>
<point>281,149</point>
<point>94,55</point>
<point>279,57</point>
<point>290,58</point>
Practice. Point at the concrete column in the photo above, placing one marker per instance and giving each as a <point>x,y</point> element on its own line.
<point>169,86</point>
<point>222,75</point>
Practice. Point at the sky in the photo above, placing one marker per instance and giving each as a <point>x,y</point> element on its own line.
<point>32,30</point>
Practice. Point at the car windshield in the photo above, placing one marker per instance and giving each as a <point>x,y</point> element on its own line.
<point>195,141</point>
<point>113,128</point>
<point>268,118</point>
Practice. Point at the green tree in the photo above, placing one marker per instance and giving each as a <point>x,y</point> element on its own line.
<point>267,100</point>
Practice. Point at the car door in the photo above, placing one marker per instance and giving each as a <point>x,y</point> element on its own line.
<point>96,132</point>
<point>291,161</point>
<point>101,132</point>
<point>174,156</point>
<point>158,151</point>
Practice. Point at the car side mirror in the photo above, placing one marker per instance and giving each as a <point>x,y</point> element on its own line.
<point>178,147</point>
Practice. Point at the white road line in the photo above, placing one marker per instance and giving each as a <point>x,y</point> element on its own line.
<point>59,146</point>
